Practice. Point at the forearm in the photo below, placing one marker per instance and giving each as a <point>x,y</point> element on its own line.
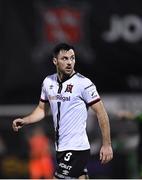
<point>106,152</point>
<point>37,115</point>
<point>105,127</point>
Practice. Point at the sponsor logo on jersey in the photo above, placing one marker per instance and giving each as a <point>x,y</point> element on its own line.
<point>59,97</point>
<point>51,87</point>
<point>65,166</point>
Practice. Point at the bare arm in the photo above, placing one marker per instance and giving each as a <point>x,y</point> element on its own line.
<point>38,114</point>
<point>106,153</point>
<point>103,122</point>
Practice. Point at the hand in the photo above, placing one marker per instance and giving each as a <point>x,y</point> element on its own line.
<point>17,124</point>
<point>106,154</point>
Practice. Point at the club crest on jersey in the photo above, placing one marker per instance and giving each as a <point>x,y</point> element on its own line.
<point>69,88</point>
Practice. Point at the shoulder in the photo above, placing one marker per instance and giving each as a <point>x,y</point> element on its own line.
<point>50,78</point>
<point>84,81</point>
<point>80,76</point>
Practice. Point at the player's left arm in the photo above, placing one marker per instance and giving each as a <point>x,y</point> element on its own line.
<point>106,152</point>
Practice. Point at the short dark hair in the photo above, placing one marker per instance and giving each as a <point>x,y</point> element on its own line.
<point>61,46</point>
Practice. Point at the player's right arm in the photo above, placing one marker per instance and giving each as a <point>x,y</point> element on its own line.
<point>38,114</point>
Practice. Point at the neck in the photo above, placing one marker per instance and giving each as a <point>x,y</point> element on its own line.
<point>62,76</point>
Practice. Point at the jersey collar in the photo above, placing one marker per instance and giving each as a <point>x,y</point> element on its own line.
<point>65,78</point>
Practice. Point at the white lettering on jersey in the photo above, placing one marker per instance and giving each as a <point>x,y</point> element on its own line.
<point>65,166</point>
<point>59,97</point>
<point>67,156</point>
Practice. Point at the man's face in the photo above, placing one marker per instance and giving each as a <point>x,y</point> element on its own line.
<point>65,62</point>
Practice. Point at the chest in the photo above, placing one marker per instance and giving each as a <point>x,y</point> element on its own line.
<point>66,91</point>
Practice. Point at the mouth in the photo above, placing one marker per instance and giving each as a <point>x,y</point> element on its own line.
<point>68,68</point>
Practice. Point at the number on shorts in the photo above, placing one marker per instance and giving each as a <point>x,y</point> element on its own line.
<point>67,156</point>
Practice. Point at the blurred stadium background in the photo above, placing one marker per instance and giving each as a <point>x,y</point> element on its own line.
<point>107,35</point>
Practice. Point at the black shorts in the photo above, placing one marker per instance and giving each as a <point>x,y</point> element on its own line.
<point>71,164</point>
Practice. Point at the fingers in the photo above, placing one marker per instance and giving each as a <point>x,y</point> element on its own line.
<point>17,124</point>
<point>105,158</point>
<point>106,154</point>
<point>14,126</point>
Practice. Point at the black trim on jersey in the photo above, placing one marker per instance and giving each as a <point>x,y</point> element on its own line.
<point>58,119</point>
<point>58,114</point>
<point>80,75</point>
<point>65,78</point>
<point>93,102</point>
<point>87,106</point>
<point>89,86</point>
<point>60,88</point>
<point>45,101</point>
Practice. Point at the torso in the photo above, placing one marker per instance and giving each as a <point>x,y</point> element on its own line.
<point>69,108</point>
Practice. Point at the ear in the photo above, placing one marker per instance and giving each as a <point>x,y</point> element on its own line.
<point>54,61</point>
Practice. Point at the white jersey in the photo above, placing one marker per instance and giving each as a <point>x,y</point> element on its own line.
<point>69,101</point>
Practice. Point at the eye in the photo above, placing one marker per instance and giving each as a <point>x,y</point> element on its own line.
<point>72,58</point>
<point>65,58</point>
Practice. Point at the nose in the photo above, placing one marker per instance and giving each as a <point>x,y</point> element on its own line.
<point>69,61</point>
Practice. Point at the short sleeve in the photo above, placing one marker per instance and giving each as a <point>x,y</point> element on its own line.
<point>43,96</point>
<point>89,93</point>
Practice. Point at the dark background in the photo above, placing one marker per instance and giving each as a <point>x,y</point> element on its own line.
<point>30,29</point>
<point>107,36</point>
